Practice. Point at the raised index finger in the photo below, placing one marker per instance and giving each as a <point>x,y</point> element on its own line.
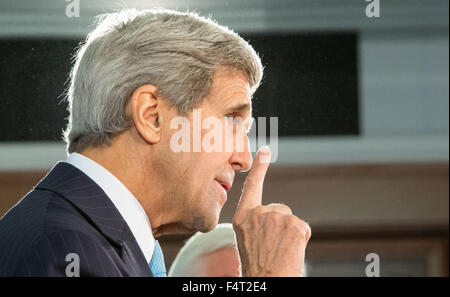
<point>252,194</point>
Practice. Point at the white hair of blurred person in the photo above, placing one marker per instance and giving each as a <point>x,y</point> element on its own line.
<point>208,254</point>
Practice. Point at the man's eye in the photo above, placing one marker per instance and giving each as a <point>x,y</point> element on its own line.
<point>229,115</point>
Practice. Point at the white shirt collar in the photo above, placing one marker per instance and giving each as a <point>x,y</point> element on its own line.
<point>127,205</point>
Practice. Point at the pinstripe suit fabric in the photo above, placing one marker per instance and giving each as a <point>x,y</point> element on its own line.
<point>66,213</point>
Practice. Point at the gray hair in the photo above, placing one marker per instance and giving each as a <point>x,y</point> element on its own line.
<point>189,257</point>
<point>178,52</point>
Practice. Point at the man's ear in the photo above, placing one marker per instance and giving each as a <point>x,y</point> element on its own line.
<point>146,112</point>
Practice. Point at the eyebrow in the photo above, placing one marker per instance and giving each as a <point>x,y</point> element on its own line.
<point>240,107</point>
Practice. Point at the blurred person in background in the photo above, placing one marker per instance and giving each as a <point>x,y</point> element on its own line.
<point>209,254</point>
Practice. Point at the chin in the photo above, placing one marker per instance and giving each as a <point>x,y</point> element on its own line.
<point>209,224</point>
<point>208,216</point>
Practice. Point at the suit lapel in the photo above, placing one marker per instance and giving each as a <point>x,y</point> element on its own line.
<point>81,191</point>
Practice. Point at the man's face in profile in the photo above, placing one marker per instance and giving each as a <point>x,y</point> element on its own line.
<point>197,182</point>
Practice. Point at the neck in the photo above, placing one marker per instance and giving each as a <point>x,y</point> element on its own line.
<point>129,165</point>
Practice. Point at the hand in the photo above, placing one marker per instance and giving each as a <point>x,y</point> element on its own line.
<point>271,241</point>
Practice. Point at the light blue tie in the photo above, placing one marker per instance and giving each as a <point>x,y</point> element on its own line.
<point>157,265</point>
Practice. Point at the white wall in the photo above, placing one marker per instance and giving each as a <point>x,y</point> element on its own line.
<point>403,66</point>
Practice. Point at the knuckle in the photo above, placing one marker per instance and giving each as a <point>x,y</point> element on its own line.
<point>286,208</point>
<point>282,207</point>
<point>300,227</point>
<point>274,217</point>
<point>308,232</point>
<point>293,221</point>
<point>259,210</point>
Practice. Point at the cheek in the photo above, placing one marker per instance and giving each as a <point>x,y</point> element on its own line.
<point>210,164</point>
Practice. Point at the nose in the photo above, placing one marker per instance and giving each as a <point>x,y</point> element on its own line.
<point>242,160</point>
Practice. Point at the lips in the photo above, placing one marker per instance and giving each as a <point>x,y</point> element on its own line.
<point>224,184</point>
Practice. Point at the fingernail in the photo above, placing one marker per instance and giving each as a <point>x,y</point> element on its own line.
<point>264,156</point>
<point>264,150</point>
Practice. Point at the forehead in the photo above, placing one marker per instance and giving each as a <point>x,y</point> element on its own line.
<point>230,87</point>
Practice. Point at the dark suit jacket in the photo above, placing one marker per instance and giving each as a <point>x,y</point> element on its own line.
<point>67,212</point>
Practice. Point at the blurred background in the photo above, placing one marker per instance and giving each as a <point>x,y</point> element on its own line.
<point>362,106</point>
